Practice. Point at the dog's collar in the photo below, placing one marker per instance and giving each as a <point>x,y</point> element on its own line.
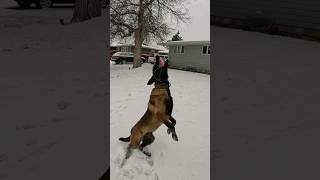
<point>158,91</point>
<point>162,85</point>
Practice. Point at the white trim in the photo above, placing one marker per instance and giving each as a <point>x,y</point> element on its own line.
<point>206,50</point>
<point>164,51</point>
<point>173,43</point>
<point>143,46</point>
<point>179,50</point>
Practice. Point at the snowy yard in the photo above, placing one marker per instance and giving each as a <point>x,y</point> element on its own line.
<point>266,106</point>
<point>53,86</point>
<point>187,159</point>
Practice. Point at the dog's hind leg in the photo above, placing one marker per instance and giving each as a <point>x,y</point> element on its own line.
<point>146,140</point>
<point>135,139</point>
<point>133,145</point>
<point>129,151</point>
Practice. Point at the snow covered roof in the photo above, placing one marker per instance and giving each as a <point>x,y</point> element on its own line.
<point>164,51</point>
<point>170,43</point>
<point>143,46</point>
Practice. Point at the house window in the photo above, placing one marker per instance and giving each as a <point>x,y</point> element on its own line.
<point>125,49</point>
<point>205,49</point>
<point>178,49</point>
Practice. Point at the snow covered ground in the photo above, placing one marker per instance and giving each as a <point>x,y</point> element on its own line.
<point>187,159</point>
<point>266,106</point>
<point>53,84</point>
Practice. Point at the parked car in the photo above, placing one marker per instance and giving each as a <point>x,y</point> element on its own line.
<point>152,58</point>
<point>49,3</point>
<point>124,57</point>
<point>165,56</point>
<point>145,57</point>
<point>112,52</point>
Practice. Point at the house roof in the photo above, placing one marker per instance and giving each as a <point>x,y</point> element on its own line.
<point>164,51</point>
<point>143,46</point>
<point>172,43</point>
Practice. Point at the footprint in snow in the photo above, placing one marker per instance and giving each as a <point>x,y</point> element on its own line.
<point>62,105</point>
<point>79,91</point>
<point>39,151</point>
<point>6,50</point>
<point>98,94</point>
<point>32,142</point>
<point>3,176</point>
<point>138,166</point>
<point>26,126</point>
<point>3,157</point>
<point>117,101</point>
<point>57,120</point>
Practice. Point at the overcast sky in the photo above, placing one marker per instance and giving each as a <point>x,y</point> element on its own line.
<point>199,28</point>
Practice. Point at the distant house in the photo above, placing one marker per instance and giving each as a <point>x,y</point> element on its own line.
<point>298,17</point>
<point>189,55</point>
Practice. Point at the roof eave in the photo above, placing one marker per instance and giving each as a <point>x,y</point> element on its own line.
<point>172,43</point>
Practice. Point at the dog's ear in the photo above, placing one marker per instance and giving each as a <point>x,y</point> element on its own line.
<point>151,80</point>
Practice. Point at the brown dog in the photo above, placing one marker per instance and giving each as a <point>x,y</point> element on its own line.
<point>155,116</point>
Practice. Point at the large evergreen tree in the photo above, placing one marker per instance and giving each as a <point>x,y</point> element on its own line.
<point>176,37</point>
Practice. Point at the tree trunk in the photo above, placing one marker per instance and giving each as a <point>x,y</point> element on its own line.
<point>137,50</point>
<point>86,9</point>
<point>138,40</point>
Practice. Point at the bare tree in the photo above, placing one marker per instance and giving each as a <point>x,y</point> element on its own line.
<point>145,20</point>
<point>86,9</point>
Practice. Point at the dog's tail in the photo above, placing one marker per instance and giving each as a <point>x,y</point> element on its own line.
<point>127,139</point>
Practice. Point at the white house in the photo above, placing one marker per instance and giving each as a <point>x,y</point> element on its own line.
<point>189,55</point>
<point>299,17</point>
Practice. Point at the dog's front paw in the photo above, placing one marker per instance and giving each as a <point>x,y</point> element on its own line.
<point>174,136</point>
<point>169,130</point>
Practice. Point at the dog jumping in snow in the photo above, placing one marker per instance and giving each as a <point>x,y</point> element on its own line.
<point>158,112</point>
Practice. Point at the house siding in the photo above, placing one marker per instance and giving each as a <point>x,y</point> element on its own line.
<point>192,59</point>
<point>294,16</point>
